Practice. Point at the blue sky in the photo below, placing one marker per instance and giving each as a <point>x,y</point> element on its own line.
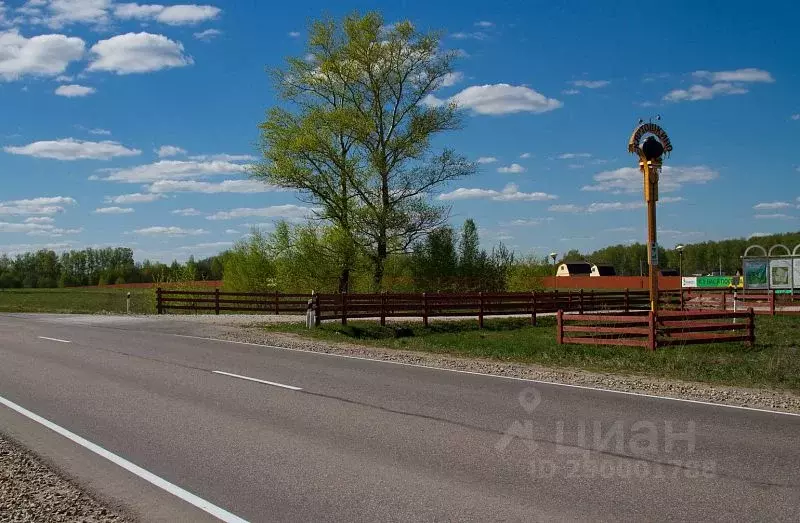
<point>132,124</point>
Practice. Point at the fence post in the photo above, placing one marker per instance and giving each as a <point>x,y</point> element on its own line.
<point>480,311</point>
<point>592,305</point>
<point>159,304</point>
<point>277,301</point>
<point>751,327</point>
<point>723,301</point>
<point>651,331</point>
<point>317,310</point>
<point>216,301</point>
<point>580,304</point>
<point>533,308</point>
<point>683,303</point>
<point>383,308</point>
<point>425,309</point>
<point>344,308</point>
<point>627,301</point>
<point>560,327</point>
<point>555,299</point>
<point>772,302</point>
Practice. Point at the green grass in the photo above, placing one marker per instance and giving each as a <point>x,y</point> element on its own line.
<point>773,363</point>
<point>77,300</point>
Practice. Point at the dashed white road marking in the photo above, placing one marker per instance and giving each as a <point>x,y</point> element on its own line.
<point>274,384</point>
<point>53,339</point>
<point>146,475</point>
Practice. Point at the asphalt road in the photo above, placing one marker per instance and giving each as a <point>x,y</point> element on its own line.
<point>367,440</point>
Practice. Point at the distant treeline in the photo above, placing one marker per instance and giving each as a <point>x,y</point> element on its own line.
<point>46,269</point>
<point>698,258</point>
<point>304,257</point>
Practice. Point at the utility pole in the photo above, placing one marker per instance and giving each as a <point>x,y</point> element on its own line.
<point>650,151</point>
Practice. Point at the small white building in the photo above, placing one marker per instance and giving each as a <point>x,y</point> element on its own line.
<point>574,269</point>
<point>603,270</point>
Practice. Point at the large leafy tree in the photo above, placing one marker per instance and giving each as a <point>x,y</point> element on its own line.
<point>357,137</point>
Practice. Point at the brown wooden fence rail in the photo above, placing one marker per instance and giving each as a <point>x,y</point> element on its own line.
<point>430,305</point>
<point>762,302</point>
<point>217,301</point>
<point>652,330</point>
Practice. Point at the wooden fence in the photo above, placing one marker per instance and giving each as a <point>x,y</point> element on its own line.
<point>216,301</point>
<point>430,305</point>
<point>762,302</point>
<point>652,330</point>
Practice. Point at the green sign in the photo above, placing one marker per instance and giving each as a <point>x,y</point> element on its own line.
<point>713,281</point>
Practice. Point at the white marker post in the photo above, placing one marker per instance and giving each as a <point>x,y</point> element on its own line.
<point>128,303</point>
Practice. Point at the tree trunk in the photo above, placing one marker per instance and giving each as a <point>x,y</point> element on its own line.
<point>380,262</point>
<point>344,280</point>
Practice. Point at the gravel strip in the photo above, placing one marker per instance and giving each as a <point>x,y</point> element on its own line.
<point>30,491</point>
<point>740,396</point>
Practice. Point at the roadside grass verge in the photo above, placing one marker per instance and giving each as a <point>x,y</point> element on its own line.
<point>773,363</point>
<point>77,300</point>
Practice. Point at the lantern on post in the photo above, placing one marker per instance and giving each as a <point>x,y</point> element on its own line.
<point>650,143</point>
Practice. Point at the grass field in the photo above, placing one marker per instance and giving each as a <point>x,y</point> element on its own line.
<point>773,363</point>
<point>77,300</point>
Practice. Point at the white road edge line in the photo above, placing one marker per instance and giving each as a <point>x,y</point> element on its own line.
<point>175,490</point>
<point>585,387</point>
<point>53,339</point>
<point>290,387</point>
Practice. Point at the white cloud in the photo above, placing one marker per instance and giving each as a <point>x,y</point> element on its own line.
<point>103,132</point>
<point>207,35</point>
<point>621,229</point>
<point>497,99</point>
<point>606,206</point>
<point>570,92</point>
<point>169,231</point>
<point>36,229</point>
<point>591,84</point>
<point>39,219</point>
<point>565,207</point>
<point>525,156</point>
<point>702,92</point>
<point>42,55</point>
<point>173,170</point>
<point>169,150</point>
<point>451,79</point>
<point>137,53</point>
<point>504,99</point>
<point>191,211</point>
<point>772,206</point>
<point>287,211</point>
<point>526,222</point>
<point>484,23</point>
<point>475,35</point>
<point>224,157</point>
<point>629,179</point>
<point>74,90</point>
<point>21,248</point>
<point>64,12</point>
<point>226,186</point>
<point>294,34</point>
<point>133,198</point>
<point>486,159</point>
<point>232,231</point>
<point>514,168</point>
<point>72,149</point>
<point>796,116</point>
<point>776,216</point>
<point>113,210</point>
<point>749,74</point>
<point>186,14</point>
<point>572,156</point>
<point>206,246</point>
<point>36,206</point>
<point>510,192</point>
